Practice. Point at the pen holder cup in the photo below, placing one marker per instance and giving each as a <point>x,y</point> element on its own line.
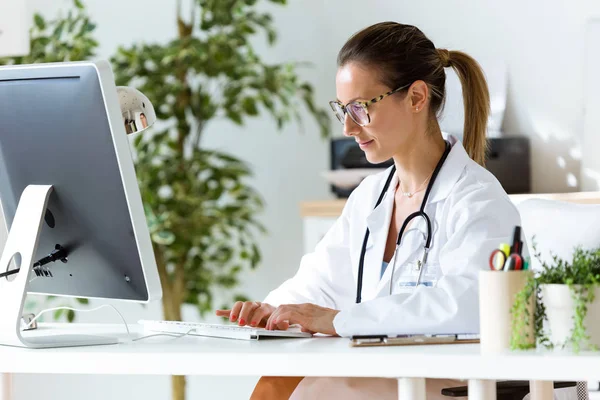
<point>497,291</point>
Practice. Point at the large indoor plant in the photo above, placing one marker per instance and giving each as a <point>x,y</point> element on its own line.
<point>567,303</point>
<point>201,211</point>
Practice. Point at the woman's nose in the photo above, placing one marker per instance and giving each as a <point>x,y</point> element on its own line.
<point>351,128</point>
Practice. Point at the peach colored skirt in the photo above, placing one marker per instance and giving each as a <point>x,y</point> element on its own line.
<point>364,388</point>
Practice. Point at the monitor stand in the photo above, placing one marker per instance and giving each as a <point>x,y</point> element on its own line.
<point>23,240</point>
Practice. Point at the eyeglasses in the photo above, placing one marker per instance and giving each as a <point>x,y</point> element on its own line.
<point>357,110</point>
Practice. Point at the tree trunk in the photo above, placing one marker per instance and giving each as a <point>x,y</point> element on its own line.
<point>172,312</point>
<point>172,303</point>
<point>178,387</point>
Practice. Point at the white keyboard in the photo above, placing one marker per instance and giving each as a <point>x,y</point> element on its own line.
<point>219,331</point>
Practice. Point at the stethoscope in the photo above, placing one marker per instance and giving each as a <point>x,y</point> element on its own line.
<point>420,213</point>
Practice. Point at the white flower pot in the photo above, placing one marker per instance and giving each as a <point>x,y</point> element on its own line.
<point>560,309</point>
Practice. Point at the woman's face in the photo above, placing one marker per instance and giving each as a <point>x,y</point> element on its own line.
<point>393,118</point>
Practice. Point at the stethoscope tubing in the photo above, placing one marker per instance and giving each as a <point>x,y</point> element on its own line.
<point>420,213</point>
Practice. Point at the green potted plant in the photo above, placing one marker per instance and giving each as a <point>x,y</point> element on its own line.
<point>567,303</point>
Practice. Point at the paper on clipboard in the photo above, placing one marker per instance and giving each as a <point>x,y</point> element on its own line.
<point>412,340</point>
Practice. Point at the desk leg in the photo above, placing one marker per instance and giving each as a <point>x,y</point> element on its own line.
<point>411,389</point>
<point>5,387</point>
<point>541,390</point>
<point>480,389</point>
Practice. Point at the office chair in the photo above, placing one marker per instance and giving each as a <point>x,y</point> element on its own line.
<point>518,390</point>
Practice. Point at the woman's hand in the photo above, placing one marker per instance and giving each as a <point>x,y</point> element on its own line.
<point>252,313</point>
<point>310,317</point>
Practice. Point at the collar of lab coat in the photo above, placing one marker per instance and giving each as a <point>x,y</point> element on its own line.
<point>378,220</point>
<point>447,177</point>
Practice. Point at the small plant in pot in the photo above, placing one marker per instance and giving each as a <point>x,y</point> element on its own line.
<point>567,303</point>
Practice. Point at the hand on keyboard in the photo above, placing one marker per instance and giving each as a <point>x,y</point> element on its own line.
<point>312,318</point>
<point>248,313</point>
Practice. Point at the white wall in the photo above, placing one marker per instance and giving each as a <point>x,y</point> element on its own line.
<point>542,43</point>
<point>13,28</point>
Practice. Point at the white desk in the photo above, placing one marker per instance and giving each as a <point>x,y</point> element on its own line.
<point>322,356</point>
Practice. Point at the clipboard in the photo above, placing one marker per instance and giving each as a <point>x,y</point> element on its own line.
<point>412,340</point>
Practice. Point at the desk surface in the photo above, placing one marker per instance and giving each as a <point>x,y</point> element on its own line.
<point>320,356</point>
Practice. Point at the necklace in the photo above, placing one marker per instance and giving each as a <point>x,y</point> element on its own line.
<point>411,194</point>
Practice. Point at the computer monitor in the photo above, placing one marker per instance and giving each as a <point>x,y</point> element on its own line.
<point>67,181</point>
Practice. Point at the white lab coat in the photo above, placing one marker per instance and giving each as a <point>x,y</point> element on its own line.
<point>470,214</point>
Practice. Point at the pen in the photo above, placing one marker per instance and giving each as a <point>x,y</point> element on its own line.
<point>517,243</point>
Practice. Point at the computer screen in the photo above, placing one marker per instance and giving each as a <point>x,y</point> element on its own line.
<point>61,124</point>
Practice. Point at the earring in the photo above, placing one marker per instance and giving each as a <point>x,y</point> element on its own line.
<point>417,108</point>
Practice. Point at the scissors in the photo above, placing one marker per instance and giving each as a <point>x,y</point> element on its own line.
<point>502,260</point>
<point>497,260</point>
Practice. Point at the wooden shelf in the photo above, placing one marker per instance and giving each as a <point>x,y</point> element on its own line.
<point>323,208</point>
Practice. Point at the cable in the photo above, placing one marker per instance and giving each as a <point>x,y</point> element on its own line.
<point>80,310</point>
<point>59,253</point>
<point>120,315</point>
<point>165,334</point>
<point>9,273</point>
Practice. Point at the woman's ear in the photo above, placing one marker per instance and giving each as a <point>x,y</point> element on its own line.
<point>417,95</point>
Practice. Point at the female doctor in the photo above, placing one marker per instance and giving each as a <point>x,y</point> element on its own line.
<point>405,253</point>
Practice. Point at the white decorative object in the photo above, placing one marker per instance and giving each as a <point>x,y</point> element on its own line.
<point>14,28</point>
<point>560,310</point>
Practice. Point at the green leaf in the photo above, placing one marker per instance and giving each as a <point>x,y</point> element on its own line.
<point>40,23</point>
<point>78,4</point>
<point>42,41</point>
<point>234,116</point>
<point>271,36</point>
<point>89,27</point>
<point>82,300</point>
<point>59,29</point>
<point>70,315</point>
<point>249,106</point>
<point>58,313</point>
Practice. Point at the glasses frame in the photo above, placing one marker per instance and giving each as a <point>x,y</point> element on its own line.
<point>363,104</point>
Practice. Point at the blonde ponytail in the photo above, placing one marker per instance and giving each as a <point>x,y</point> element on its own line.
<point>476,99</point>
